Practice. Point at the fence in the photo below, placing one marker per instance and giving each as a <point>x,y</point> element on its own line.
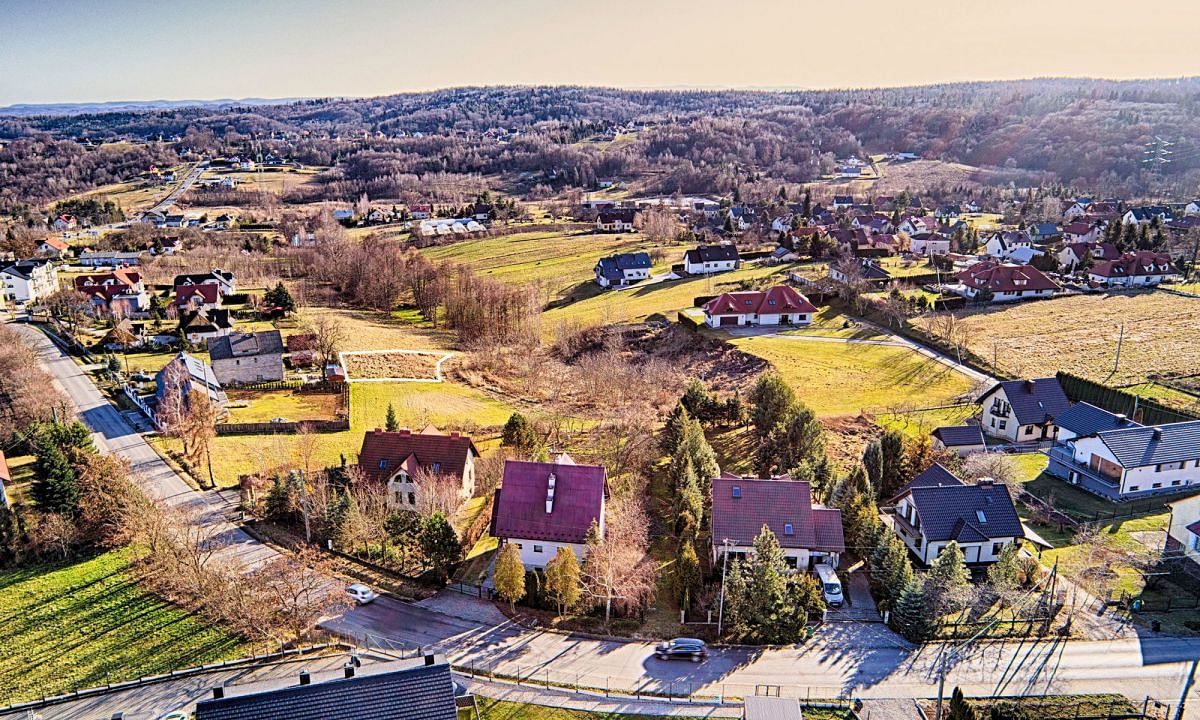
<point>1143,410</point>
<point>283,428</point>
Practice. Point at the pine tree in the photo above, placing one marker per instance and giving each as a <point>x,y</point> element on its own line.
<point>908,617</point>
<point>55,487</point>
<point>688,578</point>
<point>948,581</point>
<point>519,434</point>
<point>390,422</point>
<point>770,399</point>
<point>960,709</point>
<point>509,576</point>
<point>891,570</point>
<point>673,429</point>
<point>693,449</point>
<point>439,544</point>
<point>894,468</point>
<point>1004,575</point>
<point>872,462</point>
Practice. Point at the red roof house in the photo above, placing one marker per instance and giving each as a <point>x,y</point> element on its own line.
<point>780,305</point>
<point>204,295</point>
<point>1144,267</point>
<point>1005,282</point>
<point>543,506</point>
<point>742,506</point>
<point>405,459</point>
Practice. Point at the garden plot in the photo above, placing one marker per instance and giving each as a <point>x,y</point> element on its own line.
<point>393,365</point>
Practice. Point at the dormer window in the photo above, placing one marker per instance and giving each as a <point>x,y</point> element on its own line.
<point>981,517</point>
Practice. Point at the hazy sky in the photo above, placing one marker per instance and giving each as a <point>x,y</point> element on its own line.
<point>94,50</point>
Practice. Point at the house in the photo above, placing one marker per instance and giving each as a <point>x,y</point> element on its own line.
<point>960,439</point>
<point>741,217</point>
<point>1076,208</point>
<point>197,297</point>
<point>620,220</point>
<point>1023,410</point>
<point>420,689</point>
<point>780,305</point>
<point>1042,232</point>
<point>944,213</point>
<point>1073,254</point>
<point>1143,268</point>
<point>247,357</point>
<point>121,291</point>
<point>915,225</point>
<point>1081,232</point>
<point>224,280</point>
<point>405,460</point>
<point>1024,255</point>
<point>808,534</point>
<point>28,281</point>
<point>622,269</point>
<point>482,212</point>
<point>543,506</point>
<point>840,202</point>
<point>927,243</point>
<point>1004,282</point>
<point>707,259</point>
<point>175,221</point>
<point>1183,535</point>
<point>421,211</point>
<point>771,707</point>
<point>937,508</point>
<point>343,215</point>
<point>870,271</point>
<point>108,258</point>
<point>1131,460</point>
<point>53,247</point>
<point>65,222</point>
<point>1085,420</point>
<point>191,374</point>
<point>1002,244</point>
<point>1146,214</point>
<point>377,216</point>
<point>200,325</point>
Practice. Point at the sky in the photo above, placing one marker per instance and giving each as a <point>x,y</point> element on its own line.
<point>110,50</point>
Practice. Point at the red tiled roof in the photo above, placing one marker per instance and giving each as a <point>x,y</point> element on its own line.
<point>1078,228</point>
<point>776,503</point>
<point>210,293</point>
<point>520,508</point>
<point>108,285</point>
<point>1135,264</point>
<point>418,450</point>
<point>1003,277</point>
<point>779,299</point>
<point>56,243</point>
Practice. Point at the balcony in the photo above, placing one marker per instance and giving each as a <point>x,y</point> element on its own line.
<point>1063,465</point>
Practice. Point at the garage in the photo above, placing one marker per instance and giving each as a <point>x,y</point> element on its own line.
<point>729,320</point>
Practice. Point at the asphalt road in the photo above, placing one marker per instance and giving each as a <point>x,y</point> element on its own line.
<point>167,202</point>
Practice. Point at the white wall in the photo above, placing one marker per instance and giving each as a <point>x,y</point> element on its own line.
<point>536,553</point>
<point>1184,513</point>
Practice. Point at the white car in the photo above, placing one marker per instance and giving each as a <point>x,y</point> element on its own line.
<point>361,593</point>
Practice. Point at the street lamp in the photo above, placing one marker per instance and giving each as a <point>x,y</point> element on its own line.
<point>726,544</point>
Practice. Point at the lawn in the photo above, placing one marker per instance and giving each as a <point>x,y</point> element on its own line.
<point>368,330</point>
<point>918,423</point>
<point>1079,334</point>
<point>490,709</point>
<point>836,378</point>
<point>251,406</point>
<point>88,623</point>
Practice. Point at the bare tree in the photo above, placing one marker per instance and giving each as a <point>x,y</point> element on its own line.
<point>328,337</point>
<point>300,590</point>
<point>617,572</point>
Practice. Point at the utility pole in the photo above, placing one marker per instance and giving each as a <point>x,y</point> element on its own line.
<point>304,506</point>
<point>726,543</point>
<point>1120,342</point>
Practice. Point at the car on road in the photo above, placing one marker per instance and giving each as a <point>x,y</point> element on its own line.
<point>361,594</point>
<point>279,420</point>
<point>682,649</point>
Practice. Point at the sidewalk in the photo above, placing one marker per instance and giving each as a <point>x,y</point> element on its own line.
<point>534,695</point>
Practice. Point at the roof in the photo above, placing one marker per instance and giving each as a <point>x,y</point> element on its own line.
<point>1194,528</point>
<point>966,513</point>
<point>56,243</point>
<point>209,293</point>
<point>711,253</point>
<point>520,508</point>
<point>1085,419</point>
<point>957,435</point>
<point>936,475</point>
<point>614,266</point>
<point>779,299</point>
<point>1033,401</point>
<point>198,371</point>
<point>204,321</point>
<point>197,278</point>
<point>1142,446</point>
<point>383,453</point>
<point>423,692</point>
<point>625,215</point>
<point>769,707</point>
<point>1098,250</point>
<point>1143,262</point>
<point>1005,277</point>
<point>1043,229</point>
<point>269,342</point>
<point>741,506</point>
<point>1024,255</point>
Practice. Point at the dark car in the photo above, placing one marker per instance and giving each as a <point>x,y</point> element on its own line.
<point>682,649</point>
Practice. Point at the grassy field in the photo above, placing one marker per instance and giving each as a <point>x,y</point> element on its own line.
<point>367,330</point>
<point>1079,334</point>
<point>922,422</point>
<point>844,379</point>
<point>557,262</point>
<point>88,623</point>
<point>490,709</point>
<point>249,406</point>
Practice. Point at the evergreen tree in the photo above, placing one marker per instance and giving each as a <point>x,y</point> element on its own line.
<point>672,431</point>
<point>894,471</point>
<point>519,434</point>
<point>960,709</point>
<point>806,211</point>
<point>698,401</point>
<point>688,578</point>
<point>280,297</point>
<point>693,449</point>
<point>891,570</point>
<point>908,617</point>
<point>948,581</point>
<point>798,438</point>
<point>509,575</point>
<point>1005,575</point>
<point>872,462</point>
<point>439,544</point>
<point>390,422</point>
<point>770,399</point>
<point>562,579</point>
<point>861,523</point>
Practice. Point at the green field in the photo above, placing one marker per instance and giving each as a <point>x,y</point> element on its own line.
<point>836,378</point>
<point>87,623</point>
<point>490,709</point>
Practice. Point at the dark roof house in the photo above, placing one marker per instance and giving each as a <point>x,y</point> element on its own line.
<point>711,253</point>
<point>1084,419</point>
<point>952,436</point>
<point>384,453</point>
<point>549,501</point>
<point>741,506</point>
<point>966,513</point>
<point>238,345</point>
<point>1033,402</point>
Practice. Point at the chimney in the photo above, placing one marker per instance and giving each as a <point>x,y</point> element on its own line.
<point>1029,386</point>
<point>118,716</point>
<point>405,431</point>
<point>428,660</point>
<point>986,481</point>
<point>1157,433</point>
<point>454,434</point>
<point>348,669</point>
<point>550,485</point>
<point>305,678</point>
<point>378,430</point>
<point>218,692</point>
<point>1121,419</point>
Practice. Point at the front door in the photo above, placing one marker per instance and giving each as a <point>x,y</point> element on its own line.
<point>971,553</point>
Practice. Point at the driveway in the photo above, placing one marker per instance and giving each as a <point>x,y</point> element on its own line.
<point>859,605</point>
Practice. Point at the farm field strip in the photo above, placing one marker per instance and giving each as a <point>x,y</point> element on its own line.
<point>393,369</point>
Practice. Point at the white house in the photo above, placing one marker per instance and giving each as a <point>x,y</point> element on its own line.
<point>1192,208</point>
<point>623,269</point>
<point>1073,253</point>
<point>28,281</point>
<point>616,221</point>
<point>926,244</point>
<point>707,259</point>
<point>1001,245</point>
<point>808,534</point>
<point>1131,461</point>
<point>937,508</point>
<point>1143,268</point>
<point>915,225</point>
<point>407,460</point>
<point>1023,410</point>
<point>959,439</point>
<point>780,305</point>
<point>1004,282</point>
<point>543,506</point>
<point>1183,534</point>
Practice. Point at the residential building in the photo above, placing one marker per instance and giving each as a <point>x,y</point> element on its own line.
<point>1000,245</point>
<point>916,224</point>
<point>28,281</point>
<point>192,375</point>
<point>1131,461</point>
<point>1085,420</point>
<point>198,326</point>
<point>239,358</point>
<point>620,220</point>
<point>422,211</point>
<point>400,690</point>
<point>808,534</point>
<point>1004,282</point>
<point>53,247</point>
<point>1024,255</point>
<point>63,223</point>
<point>190,296</point>
<point>870,271</point>
<point>1023,410</point>
<point>623,269</point>
<point>1042,232</point>
<point>1082,232</point>
<point>1140,269</point>
<point>771,707</point>
<point>120,292</point>
<point>225,281</point>
<point>937,508</point>
<point>927,243</point>
<point>959,439</point>
<point>841,202</point>
<point>543,506</point>
<point>1072,254</point>
<point>1192,208</point>
<point>1183,535</point>
<point>779,305</point>
<point>407,461</point>
<point>109,259</point>
<point>1146,214</point>
<point>708,259</point>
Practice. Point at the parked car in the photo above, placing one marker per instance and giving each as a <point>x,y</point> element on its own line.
<point>831,586</point>
<point>141,377</point>
<point>361,594</point>
<point>279,420</point>
<point>682,649</point>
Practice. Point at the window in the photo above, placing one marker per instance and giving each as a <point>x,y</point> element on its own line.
<point>1003,424</point>
<point>1175,482</point>
<point>790,560</point>
<point>537,548</point>
<point>383,463</point>
<point>997,547</point>
<point>1029,430</point>
<point>918,541</point>
<point>788,529</point>
<point>412,498</point>
<point>1135,488</point>
<point>993,422</point>
<point>980,516</point>
<point>1156,485</point>
<point>437,467</point>
<point>1196,542</point>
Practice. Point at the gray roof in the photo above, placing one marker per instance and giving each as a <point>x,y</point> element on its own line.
<point>955,435</point>
<point>1085,419</point>
<point>711,253</point>
<point>768,707</point>
<point>1142,446</point>
<point>613,266</point>
<point>966,513</point>
<point>1033,401</point>
<point>424,692</point>
<point>936,475</point>
<point>233,345</point>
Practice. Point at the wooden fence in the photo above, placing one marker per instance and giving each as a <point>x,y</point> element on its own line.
<point>283,428</point>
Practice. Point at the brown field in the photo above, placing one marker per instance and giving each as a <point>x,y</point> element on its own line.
<point>391,365</point>
<point>1078,334</point>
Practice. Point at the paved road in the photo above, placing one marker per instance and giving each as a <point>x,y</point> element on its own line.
<point>113,434</point>
<point>169,201</point>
